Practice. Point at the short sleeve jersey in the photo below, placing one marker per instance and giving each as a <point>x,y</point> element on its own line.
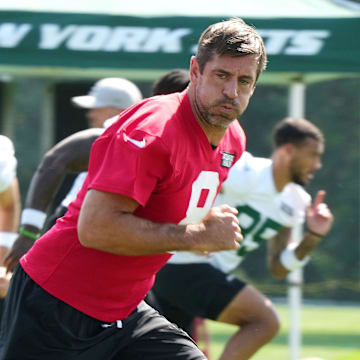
<point>79,180</point>
<point>263,211</point>
<point>8,162</point>
<point>158,155</point>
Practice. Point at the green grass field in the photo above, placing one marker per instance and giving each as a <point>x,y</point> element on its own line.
<point>328,332</point>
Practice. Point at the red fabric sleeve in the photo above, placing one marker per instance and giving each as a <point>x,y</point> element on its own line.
<point>128,164</point>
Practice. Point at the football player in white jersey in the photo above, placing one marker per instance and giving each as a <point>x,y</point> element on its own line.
<point>10,206</point>
<point>271,200</point>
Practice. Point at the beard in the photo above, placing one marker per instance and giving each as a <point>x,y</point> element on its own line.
<point>298,180</point>
<point>296,176</point>
<point>217,118</point>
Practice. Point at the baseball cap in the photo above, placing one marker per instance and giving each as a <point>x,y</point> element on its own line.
<point>116,92</point>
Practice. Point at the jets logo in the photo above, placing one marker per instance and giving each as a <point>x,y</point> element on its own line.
<point>227,159</point>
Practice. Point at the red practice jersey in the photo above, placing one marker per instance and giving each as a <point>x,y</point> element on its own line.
<point>158,155</point>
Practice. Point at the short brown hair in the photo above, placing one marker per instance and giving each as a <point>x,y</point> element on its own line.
<point>232,37</point>
<point>295,131</point>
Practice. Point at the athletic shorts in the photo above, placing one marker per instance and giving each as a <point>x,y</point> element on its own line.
<point>184,291</point>
<point>36,325</point>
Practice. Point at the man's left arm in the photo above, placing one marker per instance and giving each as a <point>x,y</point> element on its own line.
<point>10,206</point>
<point>285,255</point>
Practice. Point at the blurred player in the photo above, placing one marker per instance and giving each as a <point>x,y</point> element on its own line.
<point>269,196</point>
<point>10,206</point>
<point>108,97</point>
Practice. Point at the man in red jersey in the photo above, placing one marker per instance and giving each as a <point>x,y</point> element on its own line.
<point>153,177</point>
<point>71,155</point>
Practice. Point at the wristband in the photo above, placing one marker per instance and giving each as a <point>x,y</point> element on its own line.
<point>7,238</point>
<point>29,234</point>
<point>33,217</point>
<point>314,233</point>
<point>289,260</point>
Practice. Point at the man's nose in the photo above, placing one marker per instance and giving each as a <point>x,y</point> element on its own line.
<point>231,89</point>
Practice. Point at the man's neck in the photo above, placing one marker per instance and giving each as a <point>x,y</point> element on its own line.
<point>213,133</point>
<point>280,172</point>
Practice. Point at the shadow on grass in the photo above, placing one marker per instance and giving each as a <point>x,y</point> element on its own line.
<point>326,340</point>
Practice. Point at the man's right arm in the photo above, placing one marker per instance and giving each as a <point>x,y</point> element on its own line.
<point>71,155</point>
<point>107,223</point>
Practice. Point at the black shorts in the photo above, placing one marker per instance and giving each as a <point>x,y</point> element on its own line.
<point>36,325</point>
<point>184,291</point>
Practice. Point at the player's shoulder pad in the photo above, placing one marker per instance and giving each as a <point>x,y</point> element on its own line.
<point>246,173</point>
<point>300,195</point>
<point>8,162</point>
<point>7,155</point>
<point>251,166</point>
<point>6,146</point>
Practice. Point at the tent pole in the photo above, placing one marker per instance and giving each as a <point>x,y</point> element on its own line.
<point>295,278</point>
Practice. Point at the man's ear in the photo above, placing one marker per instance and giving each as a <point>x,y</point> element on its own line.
<point>194,70</point>
<point>289,150</point>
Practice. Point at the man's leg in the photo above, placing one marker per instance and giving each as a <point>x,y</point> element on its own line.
<point>203,290</point>
<point>201,335</point>
<point>152,337</point>
<point>39,326</point>
<point>36,325</point>
<point>258,321</point>
<point>195,327</point>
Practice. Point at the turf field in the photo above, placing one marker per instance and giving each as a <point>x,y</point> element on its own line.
<point>328,332</point>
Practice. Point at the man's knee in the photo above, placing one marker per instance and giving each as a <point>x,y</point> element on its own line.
<point>270,322</point>
<point>250,306</point>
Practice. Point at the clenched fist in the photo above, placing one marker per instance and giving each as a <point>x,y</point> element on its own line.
<point>218,230</point>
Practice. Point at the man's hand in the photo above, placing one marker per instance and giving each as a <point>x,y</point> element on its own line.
<point>319,218</point>
<point>219,230</point>
<point>20,247</point>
